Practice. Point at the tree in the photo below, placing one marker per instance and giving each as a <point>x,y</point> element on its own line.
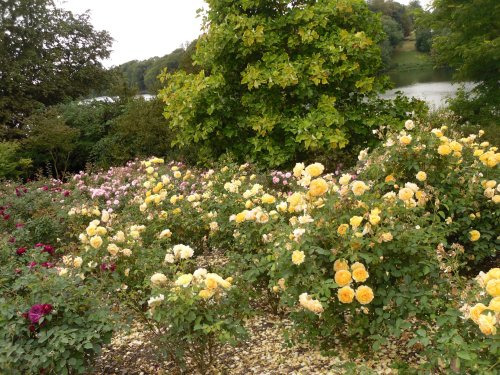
<point>467,38</point>
<point>11,164</point>
<point>46,56</point>
<point>50,141</point>
<point>281,79</point>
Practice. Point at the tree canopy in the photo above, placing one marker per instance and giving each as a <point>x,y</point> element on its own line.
<point>46,56</point>
<point>280,78</point>
<point>467,38</point>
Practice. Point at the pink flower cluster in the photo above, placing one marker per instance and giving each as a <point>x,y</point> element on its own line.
<point>280,178</point>
<point>112,185</point>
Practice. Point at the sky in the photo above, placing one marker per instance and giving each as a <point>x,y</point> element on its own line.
<point>146,28</point>
<point>141,28</point>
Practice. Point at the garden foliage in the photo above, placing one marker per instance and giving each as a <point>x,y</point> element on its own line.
<point>360,256</point>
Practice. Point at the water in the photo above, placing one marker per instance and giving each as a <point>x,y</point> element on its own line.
<point>434,93</point>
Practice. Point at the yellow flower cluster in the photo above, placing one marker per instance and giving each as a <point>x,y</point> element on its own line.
<point>490,281</point>
<point>307,302</point>
<point>490,192</point>
<point>204,284</point>
<point>344,276</point>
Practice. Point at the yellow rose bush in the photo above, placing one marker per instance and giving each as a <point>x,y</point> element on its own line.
<point>195,313</point>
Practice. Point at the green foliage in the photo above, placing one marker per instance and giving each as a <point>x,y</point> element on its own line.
<point>47,55</point>
<point>190,323</point>
<point>143,75</point>
<point>93,120</point>
<point>140,131</point>
<point>468,39</point>
<point>12,166</point>
<point>400,13</point>
<point>50,141</point>
<point>285,78</point>
<point>393,30</point>
<point>63,341</point>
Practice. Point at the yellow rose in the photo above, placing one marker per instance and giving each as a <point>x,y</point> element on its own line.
<point>405,194</point>
<point>359,187</point>
<point>315,169</point>
<point>474,235</point>
<point>494,304</point>
<point>374,219</point>
<point>158,279</point>
<point>476,311</point>
<point>340,264</point>
<point>493,287</point>
<point>356,221</point>
<point>318,187</point>
<point>342,229</point>
<point>211,283</point>
<point>344,179</point>
<point>364,294</point>
<point>184,280</point>
<point>77,262</point>
<point>437,132</point>
<point>487,324</point>
<point>150,170</point>
<point>177,174</point>
<point>298,169</point>
<point>357,265</point>
<point>496,199</point>
<point>298,257</point>
<point>205,293</point>
<point>444,150</point>
<point>360,275</point>
<point>101,231</point>
<point>91,230</point>
<point>405,140</point>
<point>494,273</point>
<point>96,242</point>
<point>343,277</point>
<point>386,237</point>
<point>421,176</point>
<point>113,249</point>
<point>240,218</point>
<point>267,198</point>
<point>390,178</point>
<point>345,294</point>
<point>455,146</point>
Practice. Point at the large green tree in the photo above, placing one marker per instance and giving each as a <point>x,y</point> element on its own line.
<point>280,79</point>
<point>467,38</point>
<point>46,56</point>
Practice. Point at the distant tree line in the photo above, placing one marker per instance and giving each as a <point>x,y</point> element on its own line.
<point>143,75</point>
<point>398,22</point>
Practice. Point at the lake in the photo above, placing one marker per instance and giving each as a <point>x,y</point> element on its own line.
<point>423,82</point>
<point>434,93</point>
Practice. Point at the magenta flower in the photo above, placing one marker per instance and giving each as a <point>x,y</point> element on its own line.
<point>21,251</point>
<point>48,249</point>
<point>36,312</point>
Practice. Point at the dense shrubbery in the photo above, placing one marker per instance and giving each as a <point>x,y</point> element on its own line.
<point>363,256</point>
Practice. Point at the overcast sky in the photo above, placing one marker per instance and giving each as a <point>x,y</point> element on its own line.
<point>146,28</point>
<point>141,28</point>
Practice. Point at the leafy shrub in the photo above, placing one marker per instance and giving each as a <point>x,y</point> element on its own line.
<point>12,166</point>
<point>288,79</point>
<point>195,315</point>
<point>52,321</point>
